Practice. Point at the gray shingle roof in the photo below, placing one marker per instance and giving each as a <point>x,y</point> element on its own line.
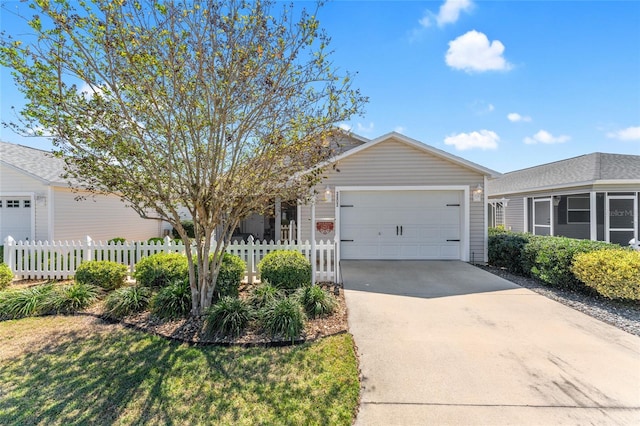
<point>35,162</point>
<point>583,169</point>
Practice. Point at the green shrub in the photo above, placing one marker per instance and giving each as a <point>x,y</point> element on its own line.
<point>316,301</point>
<point>283,318</point>
<point>264,294</point>
<point>549,259</point>
<point>127,301</point>
<point>172,301</point>
<point>230,276</point>
<point>614,274</point>
<point>497,230</point>
<point>25,302</point>
<point>228,317</point>
<point>117,240</point>
<point>161,269</point>
<point>505,250</point>
<point>72,297</point>
<point>103,273</point>
<point>188,226</point>
<point>6,276</point>
<point>285,269</point>
<point>155,240</point>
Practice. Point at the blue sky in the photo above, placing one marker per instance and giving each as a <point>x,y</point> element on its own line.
<point>506,84</point>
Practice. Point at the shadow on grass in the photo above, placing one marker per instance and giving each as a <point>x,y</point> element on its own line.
<point>128,377</point>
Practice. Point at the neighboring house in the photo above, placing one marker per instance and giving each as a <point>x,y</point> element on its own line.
<point>396,198</point>
<point>37,204</point>
<point>594,196</point>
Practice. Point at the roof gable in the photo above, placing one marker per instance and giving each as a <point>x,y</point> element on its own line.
<point>419,146</point>
<point>581,170</point>
<point>36,163</point>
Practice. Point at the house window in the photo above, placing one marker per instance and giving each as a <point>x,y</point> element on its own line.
<point>578,209</point>
<point>26,204</point>
<point>13,204</point>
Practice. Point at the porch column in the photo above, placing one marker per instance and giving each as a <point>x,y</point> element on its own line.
<point>525,202</point>
<point>593,217</point>
<point>278,219</point>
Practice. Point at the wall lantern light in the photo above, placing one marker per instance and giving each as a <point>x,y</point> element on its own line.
<point>477,193</point>
<point>328,195</point>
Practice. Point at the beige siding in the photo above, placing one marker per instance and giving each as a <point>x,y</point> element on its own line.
<point>393,163</point>
<point>13,181</point>
<point>101,217</point>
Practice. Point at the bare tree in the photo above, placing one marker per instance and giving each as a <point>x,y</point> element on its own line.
<point>210,106</point>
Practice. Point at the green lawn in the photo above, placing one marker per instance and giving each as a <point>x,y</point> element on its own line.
<point>76,370</point>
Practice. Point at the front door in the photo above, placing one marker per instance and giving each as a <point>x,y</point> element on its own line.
<point>542,216</point>
<point>621,219</point>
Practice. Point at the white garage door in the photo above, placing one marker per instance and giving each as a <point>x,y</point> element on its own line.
<point>15,218</point>
<point>400,224</point>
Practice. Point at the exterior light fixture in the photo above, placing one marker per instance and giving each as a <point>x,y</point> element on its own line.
<point>328,196</point>
<point>477,193</point>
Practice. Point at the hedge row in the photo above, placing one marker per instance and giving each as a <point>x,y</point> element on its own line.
<point>551,260</point>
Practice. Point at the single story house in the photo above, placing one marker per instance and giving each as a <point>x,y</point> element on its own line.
<point>396,198</point>
<point>36,204</point>
<point>594,196</point>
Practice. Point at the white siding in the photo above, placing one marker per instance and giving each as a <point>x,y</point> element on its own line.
<point>14,181</point>
<point>393,163</point>
<point>101,217</point>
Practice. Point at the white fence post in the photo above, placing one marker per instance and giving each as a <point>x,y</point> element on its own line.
<point>250,247</point>
<point>88,254</point>
<point>9,252</point>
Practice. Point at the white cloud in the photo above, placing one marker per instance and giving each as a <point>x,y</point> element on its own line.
<point>628,134</point>
<point>449,13</point>
<point>546,138</point>
<point>345,127</point>
<point>399,129</point>
<point>483,139</point>
<point>473,52</point>
<point>425,21</point>
<point>361,128</point>
<point>89,91</point>
<point>480,107</point>
<point>514,117</point>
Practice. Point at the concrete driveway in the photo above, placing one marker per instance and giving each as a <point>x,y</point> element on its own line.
<point>443,342</point>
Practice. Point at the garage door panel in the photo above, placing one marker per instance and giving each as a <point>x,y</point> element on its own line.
<point>362,233</point>
<point>15,218</point>
<point>361,251</point>
<point>400,224</point>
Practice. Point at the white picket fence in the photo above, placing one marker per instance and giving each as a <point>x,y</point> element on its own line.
<point>59,260</point>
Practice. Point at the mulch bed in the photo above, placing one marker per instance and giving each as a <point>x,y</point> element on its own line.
<point>192,330</point>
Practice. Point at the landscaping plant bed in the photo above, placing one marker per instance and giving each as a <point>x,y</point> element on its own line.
<point>192,329</point>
